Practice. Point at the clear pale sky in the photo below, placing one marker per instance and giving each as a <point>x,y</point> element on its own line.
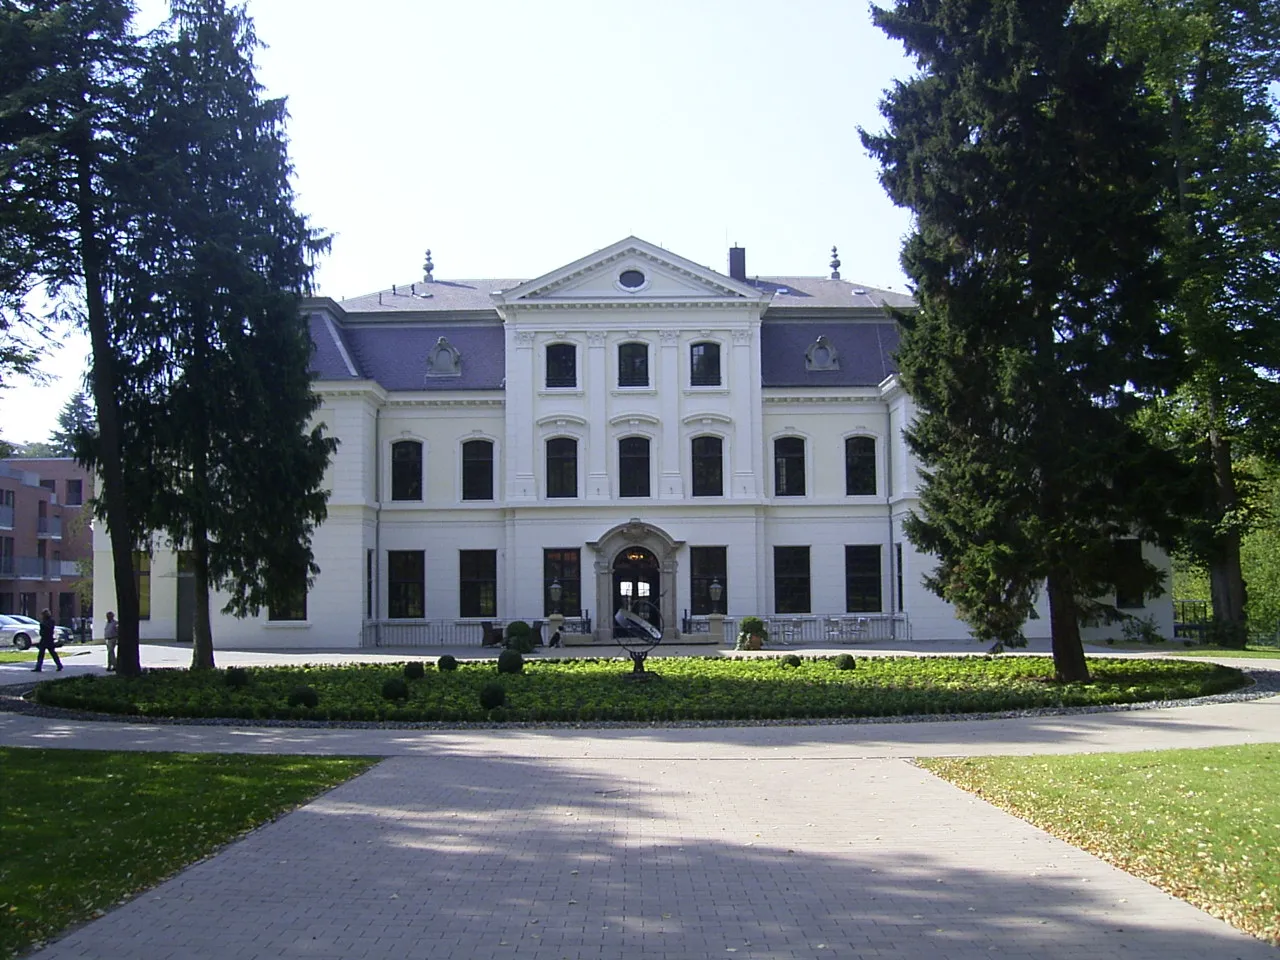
<point>513,137</point>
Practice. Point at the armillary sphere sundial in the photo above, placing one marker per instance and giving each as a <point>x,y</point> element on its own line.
<point>639,631</point>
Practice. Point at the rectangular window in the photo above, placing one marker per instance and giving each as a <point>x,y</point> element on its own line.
<point>860,467</point>
<point>791,579</point>
<point>562,365</point>
<point>1129,574</point>
<point>478,583</point>
<point>708,565</point>
<point>633,467</point>
<point>862,578</point>
<point>75,493</point>
<point>406,585</point>
<point>6,556</point>
<point>564,566</point>
<point>562,467</point>
<point>897,560</point>
<point>27,605</point>
<point>788,467</point>
<point>633,364</point>
<point>704,365</point>
<point>6,603</point>
<point>293,605</point>
<point>708,467</point>
<point>477,470</point>
<point>142,581</point>
<point>368,584</point>
<point>50,485</point>
<point>406,470</point>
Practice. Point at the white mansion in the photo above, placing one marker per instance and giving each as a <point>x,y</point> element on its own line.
<point>629,426</point>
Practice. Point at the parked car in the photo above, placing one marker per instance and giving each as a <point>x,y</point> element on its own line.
<point>24,632</point>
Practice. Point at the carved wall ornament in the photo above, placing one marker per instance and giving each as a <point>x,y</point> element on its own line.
<point>742,337</point>
<point>524,338</point>
<point>669,338</point>
<point>595,338</point>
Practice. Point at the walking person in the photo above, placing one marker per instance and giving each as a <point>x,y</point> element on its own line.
<point>111,633</point>
<point>46,641</point>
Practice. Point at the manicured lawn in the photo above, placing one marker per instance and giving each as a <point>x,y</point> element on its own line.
<point>689,688</point>
<point>17,656</point>
<point>1202,824</point>
<point>83,830</point>
<point>1249,652</point>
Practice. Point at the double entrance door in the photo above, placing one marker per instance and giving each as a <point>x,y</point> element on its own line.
<point>637,585</point>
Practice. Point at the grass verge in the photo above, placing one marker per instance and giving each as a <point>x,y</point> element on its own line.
<point>85,830</point>
<point>18,656</point>
<point>1203,825</point>
<point>1251,652</point>
<point>688,688</point>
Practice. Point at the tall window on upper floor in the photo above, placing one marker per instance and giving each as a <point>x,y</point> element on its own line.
<point>562,467</point>
<point>791,579</point>
<point>788,467</point>
<point>708,467</point>
<point>633,364</point>
<point>862,578</point>
<point>860,466</point>
<point>562,365</point>
<point>406,470</point>
<point>633,467</point>
<point>477,470</point>
<point>704,365</point>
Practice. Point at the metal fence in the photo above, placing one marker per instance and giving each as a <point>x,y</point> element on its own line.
<point>453,633</point>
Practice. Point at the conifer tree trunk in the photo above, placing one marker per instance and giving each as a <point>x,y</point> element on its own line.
<point>202,634</point>
<point>1069,665</point>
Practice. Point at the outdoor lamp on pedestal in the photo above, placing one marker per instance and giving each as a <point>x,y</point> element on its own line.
<point>556,619</point>
<point>715,621</point>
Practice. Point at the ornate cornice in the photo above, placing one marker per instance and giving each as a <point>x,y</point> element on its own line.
<point>493,404</point>
<point>844,398</point>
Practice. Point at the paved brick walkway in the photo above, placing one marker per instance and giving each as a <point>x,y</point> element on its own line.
<point>752,842</point>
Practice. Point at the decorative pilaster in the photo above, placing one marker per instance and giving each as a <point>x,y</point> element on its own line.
<point>747,429</point>
<point>595,375</point>
<point>670,481</point>
<point>522,372</point>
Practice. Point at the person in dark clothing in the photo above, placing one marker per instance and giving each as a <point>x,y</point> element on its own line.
<point>46,641</point>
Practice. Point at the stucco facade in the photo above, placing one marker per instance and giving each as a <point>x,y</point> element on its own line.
<point>632,426</point>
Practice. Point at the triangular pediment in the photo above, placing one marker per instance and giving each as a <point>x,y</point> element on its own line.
<point>628,271</point>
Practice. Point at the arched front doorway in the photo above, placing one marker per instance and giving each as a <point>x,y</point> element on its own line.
<point>643,558</point>
<point>637,583</point>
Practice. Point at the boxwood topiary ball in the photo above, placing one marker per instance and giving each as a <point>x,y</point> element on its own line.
<point>791,660</point>
<point>492,695</point>
<point>447,662</point>
<point>237,678</point>
<point>845,662</point>
<point>303,697</point>
<point>394,688</point>
<point>414,670</point>
<point>510,661</point>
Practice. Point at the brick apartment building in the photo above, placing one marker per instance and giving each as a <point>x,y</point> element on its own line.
<point>45,536</point>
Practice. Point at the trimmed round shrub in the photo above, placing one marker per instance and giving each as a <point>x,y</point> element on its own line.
<point>395,688</point>
<point>492,695</point>
<point>791,660</point>
<point>303,697</point>
<point>519,637</point>
<point>446,663</point>
<point>414,670</point>
<point>510,661</point>
<point>236,678</point>
<point>845,662</point>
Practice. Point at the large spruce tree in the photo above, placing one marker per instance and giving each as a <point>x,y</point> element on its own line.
<point>1030,160</point>
<point>66,70</point>
<point>213,262</point>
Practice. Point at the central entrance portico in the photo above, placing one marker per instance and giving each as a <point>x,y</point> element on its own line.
<point>635,561</point>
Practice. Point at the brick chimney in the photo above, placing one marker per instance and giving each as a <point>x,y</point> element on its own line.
<point>738,263</point>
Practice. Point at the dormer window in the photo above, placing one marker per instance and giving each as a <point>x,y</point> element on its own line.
<point>444,360</point>
<point>821,355</point>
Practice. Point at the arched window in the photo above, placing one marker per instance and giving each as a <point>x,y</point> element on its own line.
<point>633,467</point>
<point>633,364</point>
<point>788,467</point>
<point>562,467</point>
<point>708,467</point>
<point>406,470</point>
<point>477,470</point>
<point>860,466</point>
<point>704,365</point>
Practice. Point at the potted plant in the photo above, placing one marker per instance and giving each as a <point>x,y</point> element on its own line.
<point>752,634</point>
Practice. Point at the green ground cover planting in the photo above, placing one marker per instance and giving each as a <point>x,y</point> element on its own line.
<point>1203,825</point>
<point>83,830</point>
<point>688,688</point>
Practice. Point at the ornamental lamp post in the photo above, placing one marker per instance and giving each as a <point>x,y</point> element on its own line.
<point>715,621</point>
<point>556,619</point>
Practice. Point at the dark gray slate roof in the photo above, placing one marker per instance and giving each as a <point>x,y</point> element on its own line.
<point>327,360</point>
<point>434,297</point>
<point>865,351</point>
<point>810,292</point>
<point>396,354</point>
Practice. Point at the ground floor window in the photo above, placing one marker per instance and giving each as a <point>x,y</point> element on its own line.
<point>562,565</point>
<point>897,561</point>
<point>406,585</point>
<point>368,584</point>
<point>6,603</point>
<point>142,581</point>
<point>292,604</point>
<point>708,565</point>
<point>862,578</point>
<point>791,579</point>
<point>1129,574</point>
<point>27,605</point>
<point>478,583</point>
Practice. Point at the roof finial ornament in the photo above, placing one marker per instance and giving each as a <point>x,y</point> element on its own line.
<point>835,265</point>
<point>427,268</point>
